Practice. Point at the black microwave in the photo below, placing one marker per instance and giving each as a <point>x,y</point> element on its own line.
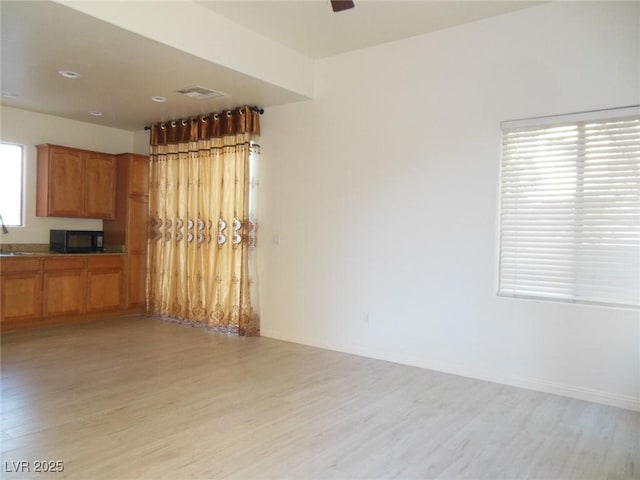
<point>76,241</point>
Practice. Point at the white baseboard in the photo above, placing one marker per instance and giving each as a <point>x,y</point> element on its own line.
<point>565,390</point>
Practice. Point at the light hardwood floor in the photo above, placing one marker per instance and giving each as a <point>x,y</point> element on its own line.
<point>141,398</point>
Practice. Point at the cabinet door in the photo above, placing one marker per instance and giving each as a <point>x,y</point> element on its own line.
<point>139,175</point>
<point>100,185</point>
<point>64,292</point>
<point>105,290</point>
<point>105,283</point>
<point>137,279</point>
<point>21,297</point>
<point>66,182</point>
<point>137,224</point>
<point>137,249</point>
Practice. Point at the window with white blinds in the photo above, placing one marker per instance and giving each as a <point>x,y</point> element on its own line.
<point>570,208</point>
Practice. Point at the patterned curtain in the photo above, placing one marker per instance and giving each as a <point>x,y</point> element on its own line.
<point>202,202</point>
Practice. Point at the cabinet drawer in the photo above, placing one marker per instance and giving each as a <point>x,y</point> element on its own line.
<point>64,263</point>
<point>111,261</point>
<point>19,265</point>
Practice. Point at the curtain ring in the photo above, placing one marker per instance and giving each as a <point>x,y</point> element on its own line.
<point>229,114</point>
<point>204,119</point>
<point>173,124</point>
<point>184,122</point>
<point>163,126</point>
<point>241,110</point>
<point>216,116</point>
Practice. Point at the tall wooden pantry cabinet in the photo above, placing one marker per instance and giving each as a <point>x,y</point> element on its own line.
<point>131,223</point>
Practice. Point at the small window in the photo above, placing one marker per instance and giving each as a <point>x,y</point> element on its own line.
<point>570,208</point>
<point>11,166</point>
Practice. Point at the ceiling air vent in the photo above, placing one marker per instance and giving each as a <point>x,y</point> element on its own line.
<point>200,93</point>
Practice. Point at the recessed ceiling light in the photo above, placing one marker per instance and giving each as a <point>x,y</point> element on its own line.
<point>159,99</point>
<point>69,74</point>
<point>96,113</point>
<point>9,95</point>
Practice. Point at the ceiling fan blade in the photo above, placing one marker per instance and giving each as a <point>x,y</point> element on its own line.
<point>340,5</point>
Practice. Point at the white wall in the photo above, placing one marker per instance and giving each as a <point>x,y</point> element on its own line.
<point>383,192</point>
<point>141,142</point>
<point>30,129</point>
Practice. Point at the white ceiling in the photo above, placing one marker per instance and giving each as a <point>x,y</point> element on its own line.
<point>121,70</point>
<point>313,29</point>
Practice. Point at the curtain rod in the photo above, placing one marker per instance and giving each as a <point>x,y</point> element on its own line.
<point>254,108</point>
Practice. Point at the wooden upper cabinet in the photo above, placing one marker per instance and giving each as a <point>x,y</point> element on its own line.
<point>100,185</point>
<point>75,183</point>
<point>62,183</point>
<point>138,175</point>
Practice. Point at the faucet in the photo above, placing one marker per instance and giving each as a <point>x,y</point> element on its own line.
<point>5,230</point>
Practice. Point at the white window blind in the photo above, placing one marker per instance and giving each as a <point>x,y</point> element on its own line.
<point>570,208</point>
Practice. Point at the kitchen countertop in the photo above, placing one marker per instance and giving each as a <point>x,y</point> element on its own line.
<point>21,250</point>
<point>15,254</point>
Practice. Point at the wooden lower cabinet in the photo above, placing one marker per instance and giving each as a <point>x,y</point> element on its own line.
<point>63,293</point>
<point>137,281</point>
<point>54,290</point>
<point>21,293</point>
<point>64,286</point>
<point>21,296</point>
<point>105,284</point>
